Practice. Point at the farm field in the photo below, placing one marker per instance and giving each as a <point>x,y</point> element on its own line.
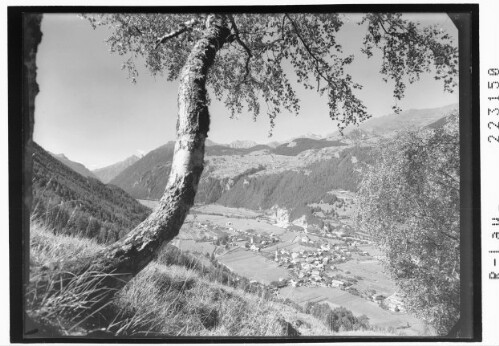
<point>373,276</point>
<point>253,266</point>
<point>359,306</point>
<point>239,223</point>
<point>194,246</point>
<point>226,211</point>
<point>372,250</point>
<point>288,245</point>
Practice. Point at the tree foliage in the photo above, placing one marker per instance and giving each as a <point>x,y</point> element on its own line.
<point>409,203</point>
<point>252,69</point>
<point>338,318</point>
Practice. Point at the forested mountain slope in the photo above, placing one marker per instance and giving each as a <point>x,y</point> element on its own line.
<point>106,174</point>
<point>68,202</point>
<point>75,166</point>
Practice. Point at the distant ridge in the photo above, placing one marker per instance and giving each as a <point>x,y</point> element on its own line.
<point>242,144</point>
<point>75,166</point>
<point>106,174</point>
<point>148,176</point>
<point>387,125</point>
<point>208,142</point>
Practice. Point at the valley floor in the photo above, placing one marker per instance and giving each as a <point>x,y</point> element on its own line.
<point>300,268</point>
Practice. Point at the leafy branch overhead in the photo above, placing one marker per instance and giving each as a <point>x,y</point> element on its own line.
<point>253,68</point>
<point>408,51</point>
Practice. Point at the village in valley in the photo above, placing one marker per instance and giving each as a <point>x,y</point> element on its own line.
<point>326,262</point>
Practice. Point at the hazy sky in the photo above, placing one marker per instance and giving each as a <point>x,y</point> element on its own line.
<point>89,110</point>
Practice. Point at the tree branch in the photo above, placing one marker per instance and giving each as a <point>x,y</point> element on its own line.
<point>187,26</point>
<point>309,51</point>
<point>242,44</point>
<point>137,30</point>
<point>404,35</point>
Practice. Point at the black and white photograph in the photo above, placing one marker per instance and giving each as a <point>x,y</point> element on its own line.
<point>297,172</point>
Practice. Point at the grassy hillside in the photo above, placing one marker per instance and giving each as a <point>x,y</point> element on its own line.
<point>68,202</point>
<point>177,294</point>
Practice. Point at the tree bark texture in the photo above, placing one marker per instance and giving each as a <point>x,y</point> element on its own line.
<point>32,36</point>
<point>128,256</point>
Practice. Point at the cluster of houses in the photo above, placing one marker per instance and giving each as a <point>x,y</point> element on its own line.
<point>248,239</point>
<point>256,243</point>
<point>315,267</point>
<point>230,236</point>
<point>311,266</point>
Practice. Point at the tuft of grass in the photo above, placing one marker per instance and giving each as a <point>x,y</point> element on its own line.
<point>47,247</point>
<point>66,307</point>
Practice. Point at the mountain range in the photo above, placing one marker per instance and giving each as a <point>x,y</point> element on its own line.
<point>389,124</point>
<point>106,174</point>
<point>292,174</point>
<point>146,177</point>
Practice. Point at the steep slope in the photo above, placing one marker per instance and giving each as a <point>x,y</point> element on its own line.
<point>106,174</point>
<point>75,166</point>
<point>69,202</point>
<point>296,189</point>
<point>147,178</point>
<point>440,122</point>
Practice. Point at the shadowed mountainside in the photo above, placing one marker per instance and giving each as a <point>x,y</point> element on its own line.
<point>106,174</point>
<point>68,202</point>
<point>75,166</point>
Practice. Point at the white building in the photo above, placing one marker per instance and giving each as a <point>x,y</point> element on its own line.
<point>337,283</point>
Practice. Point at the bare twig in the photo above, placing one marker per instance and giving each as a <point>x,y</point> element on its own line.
<point>137,30</point>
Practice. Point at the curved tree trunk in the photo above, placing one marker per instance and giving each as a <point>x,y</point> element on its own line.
<point>128,256</point>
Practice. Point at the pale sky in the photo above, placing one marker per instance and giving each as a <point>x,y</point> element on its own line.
<point>89,110</point>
